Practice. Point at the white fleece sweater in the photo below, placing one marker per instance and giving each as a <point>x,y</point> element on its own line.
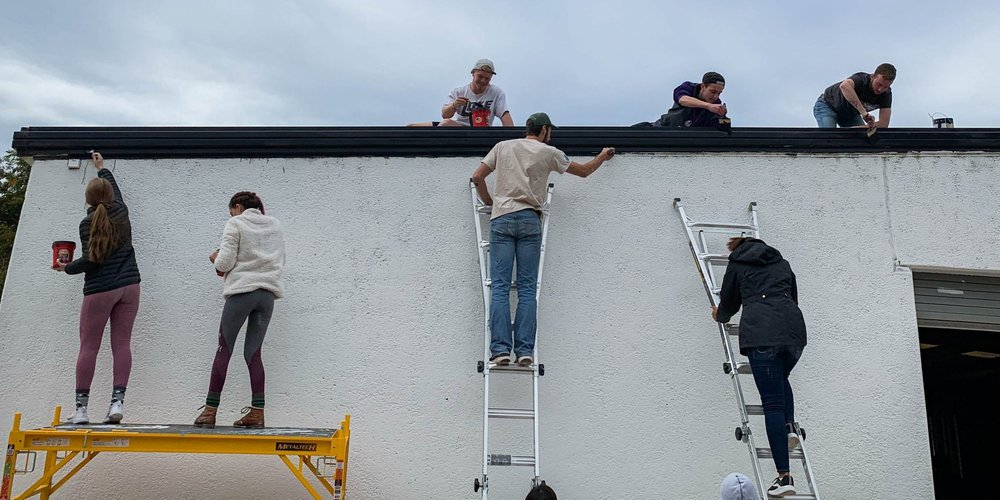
<point>252,254</point>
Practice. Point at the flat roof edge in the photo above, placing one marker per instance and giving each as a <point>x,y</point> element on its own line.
<point>304,142</point>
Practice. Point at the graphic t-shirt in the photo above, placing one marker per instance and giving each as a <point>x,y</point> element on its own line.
<point>863,87</point>
<point>493,99</point>
<point>522,167</point>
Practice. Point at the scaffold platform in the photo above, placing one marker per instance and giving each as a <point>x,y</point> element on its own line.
<point>321,453</point>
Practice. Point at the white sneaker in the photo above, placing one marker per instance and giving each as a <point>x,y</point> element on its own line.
<point>80,417</point>
<point>115,412</point>
<point>793,441</point>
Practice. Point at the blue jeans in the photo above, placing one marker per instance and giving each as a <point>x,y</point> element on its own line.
<point>771,366</point>
<point>514,237</point>
<point>826,117</point>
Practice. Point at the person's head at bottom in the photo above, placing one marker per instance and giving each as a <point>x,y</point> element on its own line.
<point>541,492</point>
<point>737,486</point>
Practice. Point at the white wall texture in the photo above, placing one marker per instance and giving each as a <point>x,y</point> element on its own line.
<point>383,320</point>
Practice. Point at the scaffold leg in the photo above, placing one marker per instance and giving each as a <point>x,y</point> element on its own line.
<point>315,471</point>
<point>43,487</point>
<point>302,479</point>
<point>71,473</point>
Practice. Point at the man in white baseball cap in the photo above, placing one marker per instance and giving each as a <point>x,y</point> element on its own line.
<point>475,104</point>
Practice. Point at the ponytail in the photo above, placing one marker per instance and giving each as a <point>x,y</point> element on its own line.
<point>103,232</point>
<point>103,235</point>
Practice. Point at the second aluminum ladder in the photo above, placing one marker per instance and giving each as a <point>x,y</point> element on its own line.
<point>709,263</point>
<point>481,213</point>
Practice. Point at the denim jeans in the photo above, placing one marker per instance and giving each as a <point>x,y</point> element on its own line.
<point>826,117</point>
<point>514,237</point>
<point>771,366</point>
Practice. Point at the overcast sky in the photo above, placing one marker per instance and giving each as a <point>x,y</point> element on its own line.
<point>372,62</point>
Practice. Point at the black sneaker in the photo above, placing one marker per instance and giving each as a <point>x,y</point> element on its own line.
<point>501,359</point>
<point>782,487</point>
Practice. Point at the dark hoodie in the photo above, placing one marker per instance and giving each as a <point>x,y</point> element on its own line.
<point>760,280</point>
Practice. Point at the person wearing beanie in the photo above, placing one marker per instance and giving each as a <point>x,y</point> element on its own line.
<point>475,104</point>
<point>737,486</point>
<point>696,104</point>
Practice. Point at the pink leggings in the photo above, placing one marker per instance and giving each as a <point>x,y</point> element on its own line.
<point>120,306</point>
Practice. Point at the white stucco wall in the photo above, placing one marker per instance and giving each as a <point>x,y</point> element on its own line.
<point>383,320</point>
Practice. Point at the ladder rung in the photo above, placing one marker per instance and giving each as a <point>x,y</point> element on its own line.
<point>512,368</point>
<point>484,209</point>
<point>755,409</point>
<point>722,225</point>
<point>511,413</point>
<point>513,284</point>
<point>732,329</point>
<point>743,368</point>
<point>512,460</point>
<point>792,454</point>
<point>484,244</point>
<point>714,257</point>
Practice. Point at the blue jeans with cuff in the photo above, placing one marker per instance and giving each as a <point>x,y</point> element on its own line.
<point>514,237</point>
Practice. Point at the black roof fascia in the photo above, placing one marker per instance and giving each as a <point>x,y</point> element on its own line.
<point>304,142</point>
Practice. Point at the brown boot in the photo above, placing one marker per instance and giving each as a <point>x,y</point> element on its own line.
<point>207,417</point>
<point>253,418</point>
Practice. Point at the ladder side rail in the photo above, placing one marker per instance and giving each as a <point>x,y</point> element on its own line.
<point>753,219</point>
<point>483,266</point>
<point>705,278</point>
<point>709,270</point>
<point>761,482</point>
<point>734,376</point>
<point>546,210</point>
<point>807,469</point>
<point>484,279</point>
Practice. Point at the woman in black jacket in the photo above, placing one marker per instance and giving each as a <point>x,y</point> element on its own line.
<point>110,289</point>
<point>772,336</point>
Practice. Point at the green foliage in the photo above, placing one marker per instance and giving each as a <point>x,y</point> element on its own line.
<point>13,182</point>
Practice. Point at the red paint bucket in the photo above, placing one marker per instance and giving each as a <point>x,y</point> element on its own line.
<point>480,116</point>
<point>62,251</point>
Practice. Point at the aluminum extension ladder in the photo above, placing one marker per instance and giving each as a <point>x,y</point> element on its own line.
<point>481,214</point>
<point>708,263</point>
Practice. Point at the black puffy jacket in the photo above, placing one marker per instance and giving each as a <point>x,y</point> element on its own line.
<point>118,269</point>
<point>761,281</point>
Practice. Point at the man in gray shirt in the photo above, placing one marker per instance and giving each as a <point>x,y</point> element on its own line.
<point>848,103</point>
<point>522,167</point>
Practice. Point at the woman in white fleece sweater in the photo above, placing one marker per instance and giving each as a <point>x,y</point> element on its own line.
<point>251,259</point>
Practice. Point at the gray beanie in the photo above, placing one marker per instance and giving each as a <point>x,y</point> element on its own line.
<point>736,486</point>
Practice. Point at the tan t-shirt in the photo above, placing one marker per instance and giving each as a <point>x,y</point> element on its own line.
<point>522,167</point>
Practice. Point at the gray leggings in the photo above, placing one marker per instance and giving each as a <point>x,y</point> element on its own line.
<point>255,309</point>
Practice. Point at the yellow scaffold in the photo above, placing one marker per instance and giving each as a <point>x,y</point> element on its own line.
<point>321,452</point>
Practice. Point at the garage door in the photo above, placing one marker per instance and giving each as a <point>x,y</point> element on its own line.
<point>961,302</point>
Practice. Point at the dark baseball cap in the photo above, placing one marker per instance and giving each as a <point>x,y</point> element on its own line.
<point>713,77</point>
<point>540,119</point>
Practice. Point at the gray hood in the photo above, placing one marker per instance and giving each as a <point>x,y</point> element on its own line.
<point>736,486</point>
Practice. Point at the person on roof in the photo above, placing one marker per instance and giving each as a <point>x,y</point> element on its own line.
<point>475,104</point>
<point>849,103</point>
<point>696,104</point>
